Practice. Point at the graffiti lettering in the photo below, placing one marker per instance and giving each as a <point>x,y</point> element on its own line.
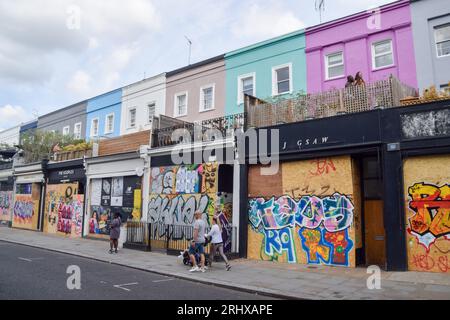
<point>431,205</point>
<point>323,226</point>
<point>322,166</point>
<point>5,205</point>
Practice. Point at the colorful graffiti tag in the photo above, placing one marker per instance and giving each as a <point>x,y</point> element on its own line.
<point>23,211</point>
<point>177,192</point>
<point>321,224</point>
<point>179,209</point>
<point>63,210</point>
<point>191,179</point>
<point>5,205</point>
<point>431,207</point>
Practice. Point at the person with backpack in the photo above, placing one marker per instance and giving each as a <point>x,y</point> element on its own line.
<point>217,243</point>
<point>114,233</point>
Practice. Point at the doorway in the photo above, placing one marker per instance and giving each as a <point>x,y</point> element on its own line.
<point>374,242</point>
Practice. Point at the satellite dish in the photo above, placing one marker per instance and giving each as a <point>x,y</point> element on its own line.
<point>139,172</point>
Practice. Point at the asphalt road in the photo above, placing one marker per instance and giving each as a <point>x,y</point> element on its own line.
<point>31,273</point>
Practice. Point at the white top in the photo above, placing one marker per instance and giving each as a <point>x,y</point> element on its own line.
<point>216,235</point>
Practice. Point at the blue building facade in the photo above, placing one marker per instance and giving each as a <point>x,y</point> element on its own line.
<point>103,115</point>
<point>275,68</point>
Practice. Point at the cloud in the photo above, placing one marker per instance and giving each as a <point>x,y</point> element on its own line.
<point>13,115</point>
<point>32,33</point>
<point>263,21</point>
<point>80,83</point>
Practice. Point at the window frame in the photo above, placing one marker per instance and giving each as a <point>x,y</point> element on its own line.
<point>213,102</point>
<point>175,111</point>
<point>435,28</point>
<point>92,127</point>
<point>148,110</point>
<point>240,92</point>
<point>374,55</point>
<point>75,131</point>
<point>68,131</point>
<point>129,126</point>
<point>275,79</point>
<point>327,66</point>
<point>106,131</point>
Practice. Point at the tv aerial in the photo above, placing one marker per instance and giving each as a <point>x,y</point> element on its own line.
<point>320,6</point>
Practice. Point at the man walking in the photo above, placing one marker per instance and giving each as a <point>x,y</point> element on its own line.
<point>197,244</point>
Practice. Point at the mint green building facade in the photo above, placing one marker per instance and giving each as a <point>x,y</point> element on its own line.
<point>269,69</point>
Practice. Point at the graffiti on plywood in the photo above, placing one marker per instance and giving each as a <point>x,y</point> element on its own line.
<point>180,209</point>
<point>5,205</point>
<point>431,206</point>
<point>191,179</point>
<point>24,209</point>
<point>321,224</point>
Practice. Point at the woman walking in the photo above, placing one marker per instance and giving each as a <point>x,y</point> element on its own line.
<point>114,233</point>
<point>217,243</point>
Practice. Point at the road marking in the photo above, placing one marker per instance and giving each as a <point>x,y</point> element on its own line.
<point>25,259</point>
<point>29,259</point>
<point>120,286</point>
<point>156,281</point>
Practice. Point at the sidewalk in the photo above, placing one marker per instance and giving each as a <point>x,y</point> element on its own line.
<point>278,280</point>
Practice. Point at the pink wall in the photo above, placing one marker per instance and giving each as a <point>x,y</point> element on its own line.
<point>353,36</point>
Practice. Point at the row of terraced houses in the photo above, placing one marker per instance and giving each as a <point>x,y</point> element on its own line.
<point>363,172</point>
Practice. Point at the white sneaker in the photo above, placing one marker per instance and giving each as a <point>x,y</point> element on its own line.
<point>194,269</point>
<point>202,269</point>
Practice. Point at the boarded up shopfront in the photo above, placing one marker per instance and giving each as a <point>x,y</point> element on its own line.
<point>177,192</point>
<point>309,213</point>
<point>110,195</point>
<point>26,206</point>
<point>64,199</point>
<point>427,207</point>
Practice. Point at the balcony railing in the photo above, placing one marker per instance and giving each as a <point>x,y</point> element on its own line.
<point>207,130</point>
<point>380,94</point>
<point>72,155</point>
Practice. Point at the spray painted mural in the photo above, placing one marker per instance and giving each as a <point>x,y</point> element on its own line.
<point>109,195</point>
<point>177,192</point>
<point>428,213</point>
<point>310,219</point>
<point>5,206</point>
<point>63,212</point>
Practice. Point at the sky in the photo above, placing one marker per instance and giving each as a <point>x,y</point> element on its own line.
<point>57,53</point>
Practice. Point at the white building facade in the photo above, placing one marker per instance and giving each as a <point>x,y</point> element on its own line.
<point>140,102</point>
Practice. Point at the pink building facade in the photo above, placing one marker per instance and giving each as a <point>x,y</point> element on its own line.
<point>377,43</point>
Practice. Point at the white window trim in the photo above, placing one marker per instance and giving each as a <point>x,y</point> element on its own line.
<point>129,118</point>
<point>92,127</point>
<point>106,123</point>
<point>240,95</point>
<point>202,107</point>
<point>68,130</point>
<point>275,79</point>
<point>75,131</point>
<point>327,67</point>
<point>175,104</point>
<point>435,42</point>
<point>148,111</point>
<point>391,52</point>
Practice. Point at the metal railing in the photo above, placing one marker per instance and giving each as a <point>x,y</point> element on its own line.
<point>162,237</point>
<point>379,94</point>
<point>224,127</point>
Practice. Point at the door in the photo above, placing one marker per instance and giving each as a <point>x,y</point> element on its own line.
<point>374,233</point>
